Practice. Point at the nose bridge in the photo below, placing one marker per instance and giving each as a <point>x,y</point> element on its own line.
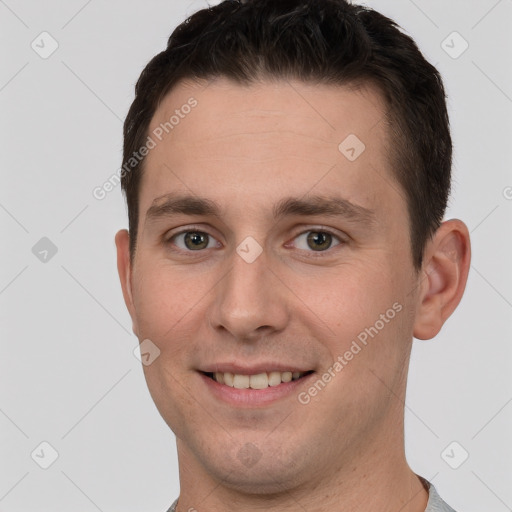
<point>248,298</point>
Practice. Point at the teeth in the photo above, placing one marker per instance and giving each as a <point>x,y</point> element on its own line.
<point>286,376</point>
<point>228,379</point>
<point>241,381</point>
<point>258,381</point>
<point>274,378</point>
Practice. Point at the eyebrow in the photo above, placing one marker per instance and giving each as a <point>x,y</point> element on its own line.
<point>172,204</point>
<point>324,205</point>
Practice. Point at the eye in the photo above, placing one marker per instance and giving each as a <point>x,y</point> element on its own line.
<point>318,241</point>
<point>193,240</point>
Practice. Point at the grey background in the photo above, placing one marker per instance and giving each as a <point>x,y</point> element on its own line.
<point>67,371</point>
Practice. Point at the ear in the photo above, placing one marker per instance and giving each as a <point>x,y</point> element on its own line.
<point>444,276</point>
<point>124,269</point>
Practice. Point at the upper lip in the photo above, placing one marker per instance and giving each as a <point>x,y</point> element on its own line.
<point>254,369</point>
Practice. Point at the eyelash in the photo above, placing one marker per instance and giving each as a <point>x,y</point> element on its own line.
<point>315,254</point>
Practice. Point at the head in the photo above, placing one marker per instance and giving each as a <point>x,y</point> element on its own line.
<point>289,217</point>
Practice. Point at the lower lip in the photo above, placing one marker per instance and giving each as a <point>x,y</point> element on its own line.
<point>254,397</point>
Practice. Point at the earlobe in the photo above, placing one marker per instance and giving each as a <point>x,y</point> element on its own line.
<point>124,269</point>
<point>444,277</point>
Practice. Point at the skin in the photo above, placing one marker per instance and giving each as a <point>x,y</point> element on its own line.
<point>247,148</point>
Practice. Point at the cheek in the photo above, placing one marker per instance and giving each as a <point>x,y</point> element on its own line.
<point>353,297</point>
<point>164,295</point>
<point>366,311</point>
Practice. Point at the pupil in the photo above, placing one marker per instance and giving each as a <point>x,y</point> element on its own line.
<point>195,240</point>
<point>319,240</point>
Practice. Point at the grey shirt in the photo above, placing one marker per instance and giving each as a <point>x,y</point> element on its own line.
<point>435,502</point>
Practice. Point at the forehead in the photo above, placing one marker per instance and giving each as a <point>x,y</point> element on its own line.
<point>316,111</point>
<point>266,140</point>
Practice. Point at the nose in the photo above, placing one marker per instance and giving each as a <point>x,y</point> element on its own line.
<point>250,301</point>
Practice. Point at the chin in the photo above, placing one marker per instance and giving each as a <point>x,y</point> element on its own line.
<point>270,470</point>
<point>261,481</point>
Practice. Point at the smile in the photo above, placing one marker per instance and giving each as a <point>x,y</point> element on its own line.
<point>258,381</point>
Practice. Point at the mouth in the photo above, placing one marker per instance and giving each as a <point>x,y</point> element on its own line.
<point>261,380</point>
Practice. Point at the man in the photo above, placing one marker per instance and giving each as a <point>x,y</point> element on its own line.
<point>287,168</point>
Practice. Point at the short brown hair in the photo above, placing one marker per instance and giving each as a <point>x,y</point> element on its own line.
<point>320,41</point>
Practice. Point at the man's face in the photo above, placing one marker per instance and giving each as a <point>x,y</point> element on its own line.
<point>330,285</point>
